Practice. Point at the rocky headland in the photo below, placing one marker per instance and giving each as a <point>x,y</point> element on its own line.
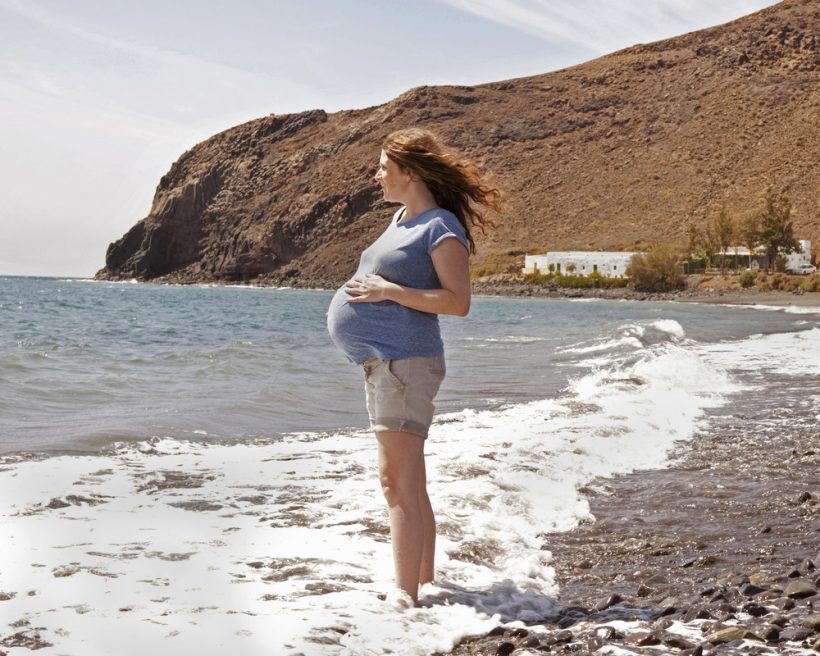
<point>611,154</point>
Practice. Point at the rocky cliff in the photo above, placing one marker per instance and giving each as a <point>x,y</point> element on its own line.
<point>610,154</point>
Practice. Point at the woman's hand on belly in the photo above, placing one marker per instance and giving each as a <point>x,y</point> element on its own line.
<point>450,262</point>
<point>369,288</point>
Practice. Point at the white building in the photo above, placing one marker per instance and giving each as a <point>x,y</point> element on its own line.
<point>803,256</point>
<point>579,263</point>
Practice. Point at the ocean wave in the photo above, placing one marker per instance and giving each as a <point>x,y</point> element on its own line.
<point>630,336</point>
<point>296,527</point>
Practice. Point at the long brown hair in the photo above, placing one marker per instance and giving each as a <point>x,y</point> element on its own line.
<point>456,183</point>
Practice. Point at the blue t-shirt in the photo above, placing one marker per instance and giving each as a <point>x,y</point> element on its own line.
<point>401,255</point>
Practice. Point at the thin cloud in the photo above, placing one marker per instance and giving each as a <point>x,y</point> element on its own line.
<point>601,26</point>
<point>59,24</point>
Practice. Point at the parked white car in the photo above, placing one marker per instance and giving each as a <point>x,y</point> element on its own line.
<point>803,269</point>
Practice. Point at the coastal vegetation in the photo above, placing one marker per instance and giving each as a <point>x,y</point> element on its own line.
<point>592,281</point>
<point>768,228</point>
<point>657,270</point>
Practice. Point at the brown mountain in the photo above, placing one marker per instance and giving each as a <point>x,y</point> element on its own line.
<point>621,150</point>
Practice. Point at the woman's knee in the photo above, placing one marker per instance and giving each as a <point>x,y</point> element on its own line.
<point>399,487</point>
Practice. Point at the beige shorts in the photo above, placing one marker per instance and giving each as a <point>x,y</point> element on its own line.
<point>400,393</point>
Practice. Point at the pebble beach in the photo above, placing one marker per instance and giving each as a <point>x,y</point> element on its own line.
<point>717,554</point>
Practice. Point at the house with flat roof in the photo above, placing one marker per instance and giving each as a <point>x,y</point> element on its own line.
<point>611,264</point>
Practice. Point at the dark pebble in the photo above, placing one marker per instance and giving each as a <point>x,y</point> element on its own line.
<point>563,636</point>
<point>533,642</point>
<point>519,633</point>
<point>642,639</point>
<point>755,611</point>
<point>752,590</point>
<point>504,648</point>
<point>794,574</point>
<point>496,631</point>
<point>644,591</point>
<point>595,643</point>
<point>696,613</point>
<point>609,602</point>
<point>697,651</point>
<point>606,632</point>
<point>707,592</point>
<point>566,622</point>
<point>779,620</point>
<point>676,641</point>
<point>770,633</point>
<point>663,623</point>
<point>799,590</point>
<point>805,496</point>
<point>786,604</point>
<point>808,566</point>
<point>795,634</point>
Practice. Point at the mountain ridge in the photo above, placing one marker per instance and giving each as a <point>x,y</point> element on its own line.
<point>612,153</point>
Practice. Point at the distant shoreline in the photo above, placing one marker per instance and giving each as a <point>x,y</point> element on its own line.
<point>716,297</point>
<point>517,288</point>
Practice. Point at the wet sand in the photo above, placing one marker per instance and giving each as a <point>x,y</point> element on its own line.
<point>719,554</point>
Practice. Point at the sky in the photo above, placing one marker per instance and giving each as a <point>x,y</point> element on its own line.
<point>99,97</point>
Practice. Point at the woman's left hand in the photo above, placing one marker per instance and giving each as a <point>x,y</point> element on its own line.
<point>369,288</point>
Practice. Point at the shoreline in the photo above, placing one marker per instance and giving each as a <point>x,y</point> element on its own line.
<point>716,554</point>
<point>715,296</point>
<point>513,288</point>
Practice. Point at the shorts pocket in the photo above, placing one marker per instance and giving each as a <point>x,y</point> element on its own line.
<point>396,371</point>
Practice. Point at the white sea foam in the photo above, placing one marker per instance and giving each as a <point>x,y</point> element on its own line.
<point>172,547</point>
<point>632,336</point>
<point>788,309</point>
<point>786,353</point>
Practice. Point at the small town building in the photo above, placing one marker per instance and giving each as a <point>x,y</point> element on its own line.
<point>611,264</point>
<point>803,256</point>
<point>760,260</point>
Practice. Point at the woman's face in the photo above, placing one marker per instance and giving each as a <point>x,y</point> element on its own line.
<point>393,178</point>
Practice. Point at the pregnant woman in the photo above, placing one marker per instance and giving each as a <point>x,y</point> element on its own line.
<point>386,319</point>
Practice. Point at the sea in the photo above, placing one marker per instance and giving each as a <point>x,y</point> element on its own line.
<point>189,467</point>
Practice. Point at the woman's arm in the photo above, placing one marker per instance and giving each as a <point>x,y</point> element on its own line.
<point>450,259</point>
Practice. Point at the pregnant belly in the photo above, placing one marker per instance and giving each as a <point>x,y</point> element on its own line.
<point>352,326</point>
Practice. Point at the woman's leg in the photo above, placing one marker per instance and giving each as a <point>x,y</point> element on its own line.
<point>401,457</point>
<point>428,520</point>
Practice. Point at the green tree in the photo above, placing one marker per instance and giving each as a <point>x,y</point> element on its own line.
<point>657,270</point>
<point>695,238</point>
<point>749,233</point>
<point>709,242</point>
<point>723,230</point>
<point>776,227</point>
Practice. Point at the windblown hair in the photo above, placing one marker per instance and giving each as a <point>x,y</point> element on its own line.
<point>456,183</point>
